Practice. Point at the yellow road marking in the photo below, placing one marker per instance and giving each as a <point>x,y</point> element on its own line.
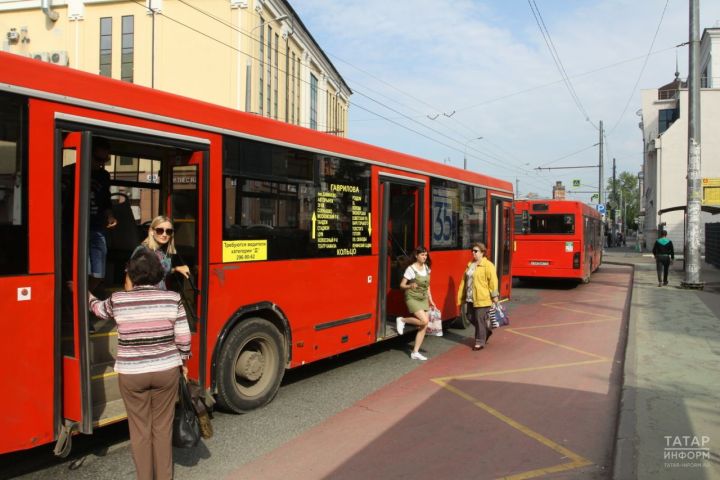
<point>577,460</point>
<point>550,325</point>
<point>572,349</point>
<point>517,370</point>
<point>556,305</point>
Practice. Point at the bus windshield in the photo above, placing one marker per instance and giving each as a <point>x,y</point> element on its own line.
<point>552,223</point>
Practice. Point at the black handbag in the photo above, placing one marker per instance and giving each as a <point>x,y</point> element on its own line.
<point>186,427</point>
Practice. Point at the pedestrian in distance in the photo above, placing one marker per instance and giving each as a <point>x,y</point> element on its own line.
<point>664,253</point>
<point>418,298</point>
<point>153,345</point>
<point>479,292</point>
<point>161,241</point>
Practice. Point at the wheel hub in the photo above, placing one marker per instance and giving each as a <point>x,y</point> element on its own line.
<point>250,365</point>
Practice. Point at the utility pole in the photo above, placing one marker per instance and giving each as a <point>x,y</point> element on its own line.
<point>692,242</point>
<point>517,187</point>
<point>601,197</point>
<point>613,217</point>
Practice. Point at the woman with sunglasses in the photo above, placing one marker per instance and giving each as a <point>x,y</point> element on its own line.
<point>416,284</point>
<point>479,291</point>
<point>161,241</point>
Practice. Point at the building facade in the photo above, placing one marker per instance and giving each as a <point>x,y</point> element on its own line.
<point>251,55</point>
<point>665,140</point>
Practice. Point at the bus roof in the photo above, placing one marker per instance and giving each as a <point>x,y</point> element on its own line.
<point>60,84</point>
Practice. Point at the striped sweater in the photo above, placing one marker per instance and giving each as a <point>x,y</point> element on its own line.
<point>153,332</point>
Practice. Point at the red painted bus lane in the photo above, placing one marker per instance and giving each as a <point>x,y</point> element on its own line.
<point>540,400</point>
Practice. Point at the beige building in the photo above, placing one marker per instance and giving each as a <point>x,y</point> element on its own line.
<point>665,138</point>
<point>251,55</point>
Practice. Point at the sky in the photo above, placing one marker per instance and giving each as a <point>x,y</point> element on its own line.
<point>429,77</point>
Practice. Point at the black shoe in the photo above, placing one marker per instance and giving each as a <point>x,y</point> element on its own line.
<point>664,283</point>
<point>659,284</point>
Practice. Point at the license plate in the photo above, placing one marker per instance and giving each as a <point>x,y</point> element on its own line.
<point>539,263</point>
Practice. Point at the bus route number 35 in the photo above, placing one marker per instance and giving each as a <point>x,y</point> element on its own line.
<point>443,223</point>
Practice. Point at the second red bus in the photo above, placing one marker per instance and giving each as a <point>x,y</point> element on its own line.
<point>556,239</point>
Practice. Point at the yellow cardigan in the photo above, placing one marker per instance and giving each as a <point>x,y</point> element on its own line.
<point>485,284</point>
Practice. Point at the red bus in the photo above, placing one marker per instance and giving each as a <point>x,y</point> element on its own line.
<point>556,239</point>
<point>294,237</point>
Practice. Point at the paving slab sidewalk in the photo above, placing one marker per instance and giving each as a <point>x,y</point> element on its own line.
<point>669,423</point>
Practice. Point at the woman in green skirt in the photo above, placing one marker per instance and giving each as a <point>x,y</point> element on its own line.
<point>416,284</point>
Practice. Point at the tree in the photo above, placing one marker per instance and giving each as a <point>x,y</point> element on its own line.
<point>625,196</point>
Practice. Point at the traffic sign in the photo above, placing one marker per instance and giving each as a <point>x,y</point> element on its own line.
<point>600,208</point>
<point>576,183</point>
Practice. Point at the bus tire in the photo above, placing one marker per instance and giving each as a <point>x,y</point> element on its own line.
<point>251,366</point>
<point>462,321</point>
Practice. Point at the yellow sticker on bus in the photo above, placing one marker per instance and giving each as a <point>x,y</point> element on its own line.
<point>244,250</point>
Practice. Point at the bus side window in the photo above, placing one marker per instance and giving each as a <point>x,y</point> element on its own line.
<point>13,188</point>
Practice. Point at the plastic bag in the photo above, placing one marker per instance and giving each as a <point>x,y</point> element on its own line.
<point>499,316</point>
<point>435,324</point>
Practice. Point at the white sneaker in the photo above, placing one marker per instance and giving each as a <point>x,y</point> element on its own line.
<point>399,325</point>
<point>417,356</point>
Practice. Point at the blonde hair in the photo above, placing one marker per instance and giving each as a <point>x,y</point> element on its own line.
<point>150,240</point>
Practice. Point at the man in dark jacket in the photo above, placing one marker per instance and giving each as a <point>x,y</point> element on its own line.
<point>664,253</point>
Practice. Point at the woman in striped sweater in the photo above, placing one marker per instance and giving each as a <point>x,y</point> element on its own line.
<point>153,345</point>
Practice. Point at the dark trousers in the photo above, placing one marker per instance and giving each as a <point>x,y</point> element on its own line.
<point>150,403</point>
<point>478,318</point>
<point>662,262</point>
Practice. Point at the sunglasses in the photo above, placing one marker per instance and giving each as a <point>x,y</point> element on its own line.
<point>475,250</point>
<point>168,231</point>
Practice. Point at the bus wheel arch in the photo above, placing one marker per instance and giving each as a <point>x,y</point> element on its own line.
<point>251,361</point>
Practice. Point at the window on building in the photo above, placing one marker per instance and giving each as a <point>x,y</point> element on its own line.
<point>13,186</point>
<point>275,79</point>
<point>313,101</point>
<point>127,62</point>
<point>292,89</point>
<point>297,80</point>
<point>261,57</point>
<point>106,46</point>
<point>269,71</point>
<point>666,118</point>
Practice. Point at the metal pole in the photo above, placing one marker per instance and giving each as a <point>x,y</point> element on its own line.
<point>601,187</point>
<point>692,244</point>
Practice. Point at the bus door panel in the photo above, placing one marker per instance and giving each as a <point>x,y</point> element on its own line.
<point>188,212</point>
<point>73,254</point>
<point>502,220</point>
<point>401,206</point>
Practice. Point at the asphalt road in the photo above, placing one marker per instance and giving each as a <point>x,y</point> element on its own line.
<point>308,396</point>
<point>314,395</point>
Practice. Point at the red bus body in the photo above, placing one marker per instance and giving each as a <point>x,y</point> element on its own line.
<point>287,271</point>
<point>556,239</point>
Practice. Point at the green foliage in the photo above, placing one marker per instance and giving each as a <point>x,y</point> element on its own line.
<point>626,194</point>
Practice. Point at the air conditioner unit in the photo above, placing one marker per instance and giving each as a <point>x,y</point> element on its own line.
<point>42,56</point>
<point>59,58</point>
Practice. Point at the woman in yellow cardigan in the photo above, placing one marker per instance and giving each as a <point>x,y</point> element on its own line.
<point>479,290</point>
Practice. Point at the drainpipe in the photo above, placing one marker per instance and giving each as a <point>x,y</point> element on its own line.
<point>46,8</point>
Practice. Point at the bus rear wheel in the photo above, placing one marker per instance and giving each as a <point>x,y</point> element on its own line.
<point>251,366</point>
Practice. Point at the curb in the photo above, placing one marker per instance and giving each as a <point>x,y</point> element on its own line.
<point>623,453</point>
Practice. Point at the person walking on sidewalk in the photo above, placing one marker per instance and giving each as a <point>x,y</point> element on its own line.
<point>479,291</point>
<point>664,254</point>
<point>416,284</point>
<point>153,345</point>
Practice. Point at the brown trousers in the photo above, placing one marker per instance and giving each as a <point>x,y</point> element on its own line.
<point>150,403</point>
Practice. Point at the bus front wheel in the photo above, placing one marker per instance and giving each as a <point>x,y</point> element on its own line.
<point>251,366</point>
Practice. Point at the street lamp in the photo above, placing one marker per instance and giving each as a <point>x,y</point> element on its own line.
<point>280,18</point>
<point>465,154</point>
